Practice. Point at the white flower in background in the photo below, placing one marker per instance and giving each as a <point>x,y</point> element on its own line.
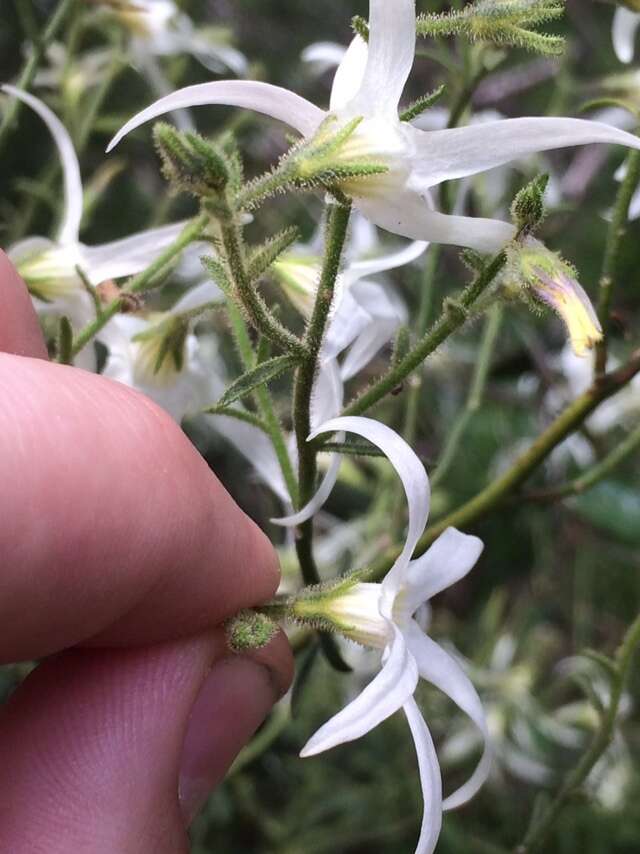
<point>625,27</point>
<point>160,28</point>
<point>159,354</point>
<point>382,616</point>
<point>368,86</point>
<point>49,267</point>
<point>621,410</point>
<point>73,76</point>
<point>522,732</point>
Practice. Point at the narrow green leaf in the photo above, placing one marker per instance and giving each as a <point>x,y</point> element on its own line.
<point>260,375</point>
<point>239,415</point>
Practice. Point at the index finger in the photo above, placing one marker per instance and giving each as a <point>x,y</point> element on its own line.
<point>112,528</point>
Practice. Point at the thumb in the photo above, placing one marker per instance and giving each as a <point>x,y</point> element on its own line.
<point>96,745</point>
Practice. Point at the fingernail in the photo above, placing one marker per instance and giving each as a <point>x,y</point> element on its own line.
<point>234,700</point>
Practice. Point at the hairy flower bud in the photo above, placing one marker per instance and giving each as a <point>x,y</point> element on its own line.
<point>539,274</point>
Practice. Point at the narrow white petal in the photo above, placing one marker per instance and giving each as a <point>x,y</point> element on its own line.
<point>438,667</point>
<point>387,693</point>
<point>324,55</point>
<point>392,47</point>
<point>410,470</point>
<point>349,321</point>
<point>264,98</point>
<point>128,256</point>
<point>443,155</point>
<point>378,333</point>
<point>448,560</point>
<point>200,295</point>
<point>430,779</point>
<point>625,26</point>
<point>349,74</point>
<point>216,56</point>
<point>408,213</point>
<point>151,69</point>
<point>383,263</point>
<point>70,226</point>
<point>319,499</point>
<point>326,402</point>
<point>255,446</point>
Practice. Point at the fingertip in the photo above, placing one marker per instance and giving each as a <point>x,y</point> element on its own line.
<point>20,332</point>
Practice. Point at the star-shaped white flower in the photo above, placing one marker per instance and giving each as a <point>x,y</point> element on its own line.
<point>382,616</point>
<point>49,267</point>
<point>368,86</point>
<point>625,27</point>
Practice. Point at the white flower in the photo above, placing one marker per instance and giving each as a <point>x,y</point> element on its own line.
<point>625,26</point>
<point>49,266</point>
<point>159,28</point>
<point>368,86</point>
<point>382,616</point>
<point>160,355</point>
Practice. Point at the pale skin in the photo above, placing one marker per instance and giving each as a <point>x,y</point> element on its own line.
<point>121,556</point>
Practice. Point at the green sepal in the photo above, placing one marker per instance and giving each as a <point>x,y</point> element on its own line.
<point>501,22</point>
<point>264,256</point>
<point>422,104</point>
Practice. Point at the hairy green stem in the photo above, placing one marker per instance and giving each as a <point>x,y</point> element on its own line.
<point>498,491</point>
<point>576,778</point>
<point>424,315</point>
<point>270,421</point>
<point>142,282</point>
<point>476,395</point>
<point>32,63</point>
<point>256,309</point>
<point>615,237</point>
<point>453,317</point>
<point>336,234</point>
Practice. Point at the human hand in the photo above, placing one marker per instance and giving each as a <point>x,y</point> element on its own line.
<point>120,557</point>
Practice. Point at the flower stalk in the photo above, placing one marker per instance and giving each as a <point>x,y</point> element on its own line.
<point>453,317</point>
<point>336,234</point>
<point>615,237</point>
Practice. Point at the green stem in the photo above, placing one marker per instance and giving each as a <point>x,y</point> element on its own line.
<point>257,311</point>
<point>615,236</point>
<point>590,478</point>
<point>476,395</point>
<point>32,64</point>
<point>336,234</point>
<point>574,781</point>
<point>142,282</point>
<point>453,317</point>
<point>424,315</point>
<point>264,402</point>
<point>498,491</point>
